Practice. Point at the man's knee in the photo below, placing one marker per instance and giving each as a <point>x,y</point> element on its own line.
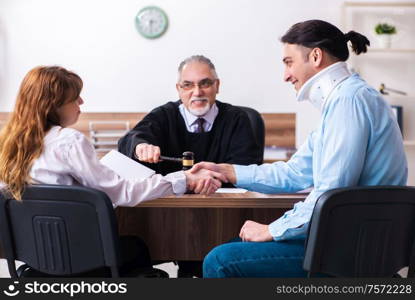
<point>214,264</point>
<point>210,264</point>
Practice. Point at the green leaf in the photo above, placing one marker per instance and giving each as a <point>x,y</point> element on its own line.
<point>385,28</point>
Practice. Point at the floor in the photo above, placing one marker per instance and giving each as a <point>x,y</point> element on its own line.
<point>170,268</point>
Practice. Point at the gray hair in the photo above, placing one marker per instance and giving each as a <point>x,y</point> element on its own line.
<point>200,59</point>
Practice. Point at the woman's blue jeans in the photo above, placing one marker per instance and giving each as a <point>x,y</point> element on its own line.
<point>256,259</point>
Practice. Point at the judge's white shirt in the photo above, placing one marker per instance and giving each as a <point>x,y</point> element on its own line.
<point>68,158</point>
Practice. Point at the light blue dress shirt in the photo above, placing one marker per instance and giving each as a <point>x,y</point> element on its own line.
<point>357,143</point>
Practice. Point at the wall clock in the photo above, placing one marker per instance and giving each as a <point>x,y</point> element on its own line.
<point>151,22</point>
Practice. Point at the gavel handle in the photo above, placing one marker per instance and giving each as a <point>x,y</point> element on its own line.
<point>395,91</point>
<point>171,158</point>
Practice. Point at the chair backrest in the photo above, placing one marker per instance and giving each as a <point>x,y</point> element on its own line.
<point>257,124</point>
<point>60,230</point>
<point>362,232</point>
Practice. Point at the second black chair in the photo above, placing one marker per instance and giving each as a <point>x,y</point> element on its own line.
<point>67,231</point>
<point>362,232</point>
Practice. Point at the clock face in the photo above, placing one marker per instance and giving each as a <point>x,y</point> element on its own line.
<point>151,22</point>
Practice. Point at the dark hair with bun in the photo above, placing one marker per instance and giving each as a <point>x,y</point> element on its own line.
<point>321,34</point>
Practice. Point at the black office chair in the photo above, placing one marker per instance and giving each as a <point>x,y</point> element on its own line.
<point>362,232</point>
<point>257,124</point>
<point>64,231</point>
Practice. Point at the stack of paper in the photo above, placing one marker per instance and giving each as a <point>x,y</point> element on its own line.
<point>231,190</point>
<point>125,166</point>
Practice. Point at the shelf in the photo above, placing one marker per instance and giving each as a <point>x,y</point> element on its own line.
<point>105,143</point>
<point>391,50</point>
<point>378,4</point>
<point>108,134</point>
<point>363,17</point>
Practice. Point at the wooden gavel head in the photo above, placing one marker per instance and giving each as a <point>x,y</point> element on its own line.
<point>188,160</point>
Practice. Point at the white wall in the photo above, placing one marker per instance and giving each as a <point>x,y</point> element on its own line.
<point>124,72</point>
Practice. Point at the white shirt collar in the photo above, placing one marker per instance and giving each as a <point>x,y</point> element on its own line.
<point>190,119</point>
<point>318,88</point>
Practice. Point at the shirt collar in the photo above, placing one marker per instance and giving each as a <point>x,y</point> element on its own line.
<point>209,116</point>
<point>318,88</point>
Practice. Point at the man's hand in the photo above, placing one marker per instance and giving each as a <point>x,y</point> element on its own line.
<point>204,181</point>
<point>255,232</point>
<point>226,169</point>
<point>147,153</point>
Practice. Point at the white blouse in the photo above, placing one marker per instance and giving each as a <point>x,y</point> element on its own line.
<point>68,158</point>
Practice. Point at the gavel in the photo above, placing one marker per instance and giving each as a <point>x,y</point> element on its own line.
<point>384,90</point>
<point>187,160</point>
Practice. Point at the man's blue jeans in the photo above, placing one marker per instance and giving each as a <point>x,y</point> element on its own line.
<point>256,259</point>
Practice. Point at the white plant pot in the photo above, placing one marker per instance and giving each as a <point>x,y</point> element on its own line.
<point>385,40</point>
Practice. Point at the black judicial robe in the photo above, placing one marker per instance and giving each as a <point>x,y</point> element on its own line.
<point>231,139</point>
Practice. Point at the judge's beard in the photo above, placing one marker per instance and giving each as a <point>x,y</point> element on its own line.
<point>200,111</point>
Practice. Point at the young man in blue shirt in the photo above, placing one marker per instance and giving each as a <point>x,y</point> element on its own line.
<point>356,143</point>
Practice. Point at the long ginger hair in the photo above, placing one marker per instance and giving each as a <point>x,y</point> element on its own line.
<point>43,90</point>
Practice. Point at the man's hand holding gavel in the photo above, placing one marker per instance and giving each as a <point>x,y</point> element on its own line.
<point>147,153</point>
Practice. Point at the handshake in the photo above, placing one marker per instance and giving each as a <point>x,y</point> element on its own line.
<point>204,178</point>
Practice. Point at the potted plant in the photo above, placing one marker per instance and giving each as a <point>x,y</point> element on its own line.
<point>385,32</point>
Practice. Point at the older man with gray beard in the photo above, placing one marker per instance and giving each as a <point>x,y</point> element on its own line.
<point>215,131</point>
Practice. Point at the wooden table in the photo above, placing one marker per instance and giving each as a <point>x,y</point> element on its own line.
<point>189,226</point>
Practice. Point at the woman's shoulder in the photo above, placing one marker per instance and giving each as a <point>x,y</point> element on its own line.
<point>63,135</point>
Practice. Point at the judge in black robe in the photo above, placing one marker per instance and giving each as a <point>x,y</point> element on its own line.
<point>231,139</point>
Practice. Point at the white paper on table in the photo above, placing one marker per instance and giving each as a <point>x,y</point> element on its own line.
<point>231,191</point>
<point>125,166</point>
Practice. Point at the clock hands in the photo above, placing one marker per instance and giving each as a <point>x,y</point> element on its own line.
<point>151,22</point>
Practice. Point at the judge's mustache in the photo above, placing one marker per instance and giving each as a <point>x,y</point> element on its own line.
<point>198,99</point>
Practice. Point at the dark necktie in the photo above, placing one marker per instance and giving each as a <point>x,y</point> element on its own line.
<point>199,127</point>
